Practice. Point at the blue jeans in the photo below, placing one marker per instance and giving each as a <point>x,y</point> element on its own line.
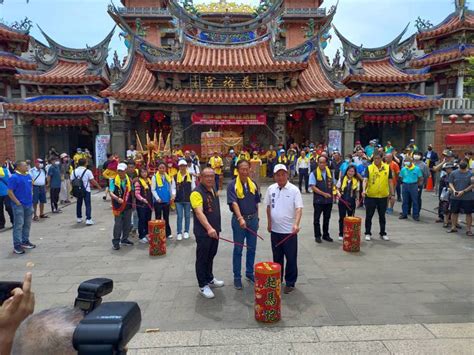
<point>410,196</point>
<point>244,237</point>
<point>216,178</point>
<point>87,201</point>
<point>21,224</point>
<point>183,209</point>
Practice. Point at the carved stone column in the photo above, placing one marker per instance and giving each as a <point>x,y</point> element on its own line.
<point>425,129</point>
<point>280,127</point>
<point>119,135</point>
<point>23,139</point>
<point>177,133</point>
<point>348,135</point>
<point>104,125</point>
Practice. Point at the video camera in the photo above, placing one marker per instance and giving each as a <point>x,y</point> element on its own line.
<point>106,328</point>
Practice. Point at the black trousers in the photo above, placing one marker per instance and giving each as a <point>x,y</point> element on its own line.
<point>303,174</point>
<point>54,192</point>
<point>5,204</point>
<point>372,204</point>
<point>288,250</point>
<point>163,209</point>
<point>343,212</point>
<point>325,210</point>
<point>206,250</point>
<point>144,216</point>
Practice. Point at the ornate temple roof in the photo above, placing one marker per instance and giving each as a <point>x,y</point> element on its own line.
<point>391,101</point>
<point>11,61</point>
<point>142,86</point>
<point>444,56</point>
<point>254,58</point>
<point>61,104</point>
<point>10,34</point>
<point>225,7</point>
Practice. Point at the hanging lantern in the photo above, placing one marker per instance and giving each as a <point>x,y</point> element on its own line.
<point>297,115</point>
<point>145,116</point>
<point>290,125</point>
<point>159,116</point>
<point>467,118</point>
<point>453,118</point>
<point>310,114</point>
<point>38,121</point>
<point>391,119</point>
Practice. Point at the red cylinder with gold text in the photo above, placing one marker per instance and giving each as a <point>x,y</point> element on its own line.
<point>157,237</point>
<point>268,292</point>
<point>351,240</point>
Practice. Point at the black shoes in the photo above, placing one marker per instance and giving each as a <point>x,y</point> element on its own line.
<point>318,240</point>
<point>328,239</point>
<point>116,247</point>
<point>126,242</point>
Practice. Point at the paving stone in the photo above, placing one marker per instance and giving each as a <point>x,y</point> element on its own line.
<point>331,334</point>
<point>359,347</point>
<point>454,330</point>
<point>165,339</point>
<point>230,349</point>
<point>433,346</point>
<point>382,332</point>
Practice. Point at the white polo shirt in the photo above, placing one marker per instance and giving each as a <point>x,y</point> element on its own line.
<point>38,176</point>
<point>283,204</point>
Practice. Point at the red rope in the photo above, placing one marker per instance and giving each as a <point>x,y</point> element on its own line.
<point>253,232</point>
<point>285,239</point>
<point>236,243</point>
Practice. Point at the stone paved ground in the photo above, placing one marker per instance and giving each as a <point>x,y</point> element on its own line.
<point>422,275</point>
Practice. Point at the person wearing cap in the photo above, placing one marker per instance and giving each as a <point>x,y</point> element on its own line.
<point>412,146</point>
<point>411,177</point>
<point>417,161</point>
<point>162,190</point>
<point>77,156</point>
<point>66,169</point>
<point>38,174</point>
<point>216,163</point>
<point>243,197</point>
<point>369,149</point>
<point>284,206</point>
<point>322,184</point>
<point>184,184</point>
<point>120,189</point>
<point>303,169</point>
<point>282,158</point>
<point>143,202</point>
<point>461,184</point>
<point>206,228</point>
<point>444,214</point>
<point>54,182</point>
<point>87,178</point>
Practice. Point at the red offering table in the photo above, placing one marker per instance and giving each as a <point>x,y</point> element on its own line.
<point>352,226</point>
<point>157,237</point>
<point>268,292</point>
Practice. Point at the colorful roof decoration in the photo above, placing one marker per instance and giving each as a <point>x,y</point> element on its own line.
<point>444,56</point>
<point>62,104</point>
<point>254,58</point>
<point>64,73</point>
<point>10,34</point>
<point>391,101</point>
<point>11,61</point>
<point>142,86</point>
<point>225,7</point>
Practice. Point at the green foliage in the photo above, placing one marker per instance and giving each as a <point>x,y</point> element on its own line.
<point>469,79</point>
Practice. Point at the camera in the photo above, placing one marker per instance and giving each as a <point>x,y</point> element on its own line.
<point>106,327</point>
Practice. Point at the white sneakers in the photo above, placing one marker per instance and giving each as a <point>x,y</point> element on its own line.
<point>89,222</point>
<point>170,236</point>
<point>144,240</point>
<point>206,292</point>
<point>179,236</point>
<point>186,235</point>
<point>367,237</point>
<point>340,238</point>
<point>215,283</point>
<point>79,220</point>
<point>385,237</point>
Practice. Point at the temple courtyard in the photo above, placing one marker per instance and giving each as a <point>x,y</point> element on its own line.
<point>413,293</point>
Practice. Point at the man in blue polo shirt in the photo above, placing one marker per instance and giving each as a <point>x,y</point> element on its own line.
<point>20,192</point>
<point>4,199</point>
<point>411,176</point>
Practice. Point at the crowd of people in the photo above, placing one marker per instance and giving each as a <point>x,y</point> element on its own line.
<point>374,177</point>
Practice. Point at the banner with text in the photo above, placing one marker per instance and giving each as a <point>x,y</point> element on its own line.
<point>247,119</point>
<point>101,147</point>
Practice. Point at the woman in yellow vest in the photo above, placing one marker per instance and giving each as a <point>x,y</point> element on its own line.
<point>216,163</point>
<point>377,190</point>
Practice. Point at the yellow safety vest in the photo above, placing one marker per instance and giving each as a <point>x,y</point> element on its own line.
<point>377,182</point>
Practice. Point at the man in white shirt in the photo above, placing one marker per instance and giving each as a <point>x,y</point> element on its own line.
<point>38,175</point>
<point>81,172</point>
<point>284,210</point>
<point>131,152</point>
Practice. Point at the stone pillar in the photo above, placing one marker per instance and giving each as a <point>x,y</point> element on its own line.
<point>348,135</point>
<point>23,143</point>
<point>460,87</point>
<point>436,88</point>
<point>119,135</point>
<point>177,133</point>
<point>23,91</point>
<point>280,127</point>
<point>425,130</point>
<point>104,125</point>
<point>422,88</point>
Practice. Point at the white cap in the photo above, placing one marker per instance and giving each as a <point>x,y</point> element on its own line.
<point>122,167</point>
<point>182,162</point>
<point>279,167</point>
<point>282,150</point>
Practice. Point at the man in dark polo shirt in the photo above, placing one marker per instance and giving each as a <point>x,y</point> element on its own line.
<point>243,197</point>
<point>207,226</point>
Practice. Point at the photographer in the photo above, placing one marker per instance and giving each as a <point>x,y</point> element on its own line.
<point>13,311</point>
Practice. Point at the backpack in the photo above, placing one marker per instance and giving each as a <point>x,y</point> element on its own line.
<point>78,188</point>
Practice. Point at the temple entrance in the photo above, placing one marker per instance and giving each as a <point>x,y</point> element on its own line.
<point>396,133</point>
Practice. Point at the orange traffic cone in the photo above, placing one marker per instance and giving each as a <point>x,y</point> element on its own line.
<point>429,185</point>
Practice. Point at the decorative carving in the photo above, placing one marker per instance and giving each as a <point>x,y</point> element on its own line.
<point>188,5</point>
<point>177,136</point>
<point>280,127</point>
<point>310,29</point>
<point>421,24</point>
<point>22,25</point>
<point>223,6</point>
<point>280,82</point>
<point>140,29</point>
<point>176,82</point>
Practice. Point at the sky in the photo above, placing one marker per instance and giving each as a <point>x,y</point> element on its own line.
<point>77,23</point>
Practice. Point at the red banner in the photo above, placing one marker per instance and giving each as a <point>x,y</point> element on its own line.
<point>254,119</point>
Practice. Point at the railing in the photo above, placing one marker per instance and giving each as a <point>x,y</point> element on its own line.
<point>149,11</point>
<point>458,104</point>
<point>305,11</point>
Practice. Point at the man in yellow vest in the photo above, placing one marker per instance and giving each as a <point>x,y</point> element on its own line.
<point>216,163</point>
<point>377,190</point>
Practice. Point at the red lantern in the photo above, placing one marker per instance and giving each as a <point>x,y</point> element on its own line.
<point>38,121</point>
<point>453,118</point>
<point>467,118</point>
<point>145,116</point>
<point>290,125</point>
<point>159,116</point>
<point>297,114</point>
<point>310,114</point>
<point>87,121</point>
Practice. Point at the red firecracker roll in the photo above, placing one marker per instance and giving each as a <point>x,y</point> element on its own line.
<point>268,292</point>
<point>157,237</point>
<point>351,240</point>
